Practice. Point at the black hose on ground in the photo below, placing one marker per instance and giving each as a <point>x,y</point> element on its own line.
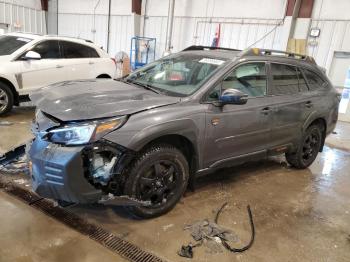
<point>218,213</point>
<point>232,249</point>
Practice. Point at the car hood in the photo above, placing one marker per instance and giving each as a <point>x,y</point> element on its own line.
<point>93,99</point>
<point>5,58</point>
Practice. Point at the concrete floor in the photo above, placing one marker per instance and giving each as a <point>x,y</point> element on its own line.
<point>300,215</point>
<point>15,128</point>
<point>27,235</point>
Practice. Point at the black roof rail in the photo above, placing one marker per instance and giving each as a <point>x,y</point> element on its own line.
<point>201,47</point>
<point>261,52</point>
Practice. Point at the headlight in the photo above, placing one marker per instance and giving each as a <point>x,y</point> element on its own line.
<point>83,133</point>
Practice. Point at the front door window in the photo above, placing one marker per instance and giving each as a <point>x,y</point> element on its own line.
<point>249,78</point>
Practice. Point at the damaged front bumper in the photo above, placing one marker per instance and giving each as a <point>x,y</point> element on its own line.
<point>64,173</point>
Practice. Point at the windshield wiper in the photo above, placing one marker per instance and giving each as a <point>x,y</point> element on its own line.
<point>145,86</point>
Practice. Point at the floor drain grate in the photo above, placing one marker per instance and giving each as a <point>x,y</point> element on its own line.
<point>125,249</point>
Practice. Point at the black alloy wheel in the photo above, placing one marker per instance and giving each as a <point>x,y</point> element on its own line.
<point>311,146</point>
<point>158,177</point>
<point>159,183</point>
<point>308,148</point>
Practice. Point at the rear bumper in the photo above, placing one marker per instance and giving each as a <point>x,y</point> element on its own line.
<point>58,173</point>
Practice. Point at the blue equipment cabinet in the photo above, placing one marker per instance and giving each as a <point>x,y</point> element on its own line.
<point>142,51</point>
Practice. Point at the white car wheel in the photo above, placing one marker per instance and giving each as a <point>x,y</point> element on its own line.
<point>6,99</point>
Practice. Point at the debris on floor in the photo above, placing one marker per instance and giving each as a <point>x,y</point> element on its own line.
<point>124,200</point>
<point>186,251</point>
<point>21,181</point>
<point>20,165</point>
<point>166,227</point>
<point>14,161</point>
<point>214,236</point>
<point>5,123</point>
<point>209,230</point>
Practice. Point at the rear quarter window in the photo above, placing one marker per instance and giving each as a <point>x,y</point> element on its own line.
<point>314,80</point>
<point>285,79</point>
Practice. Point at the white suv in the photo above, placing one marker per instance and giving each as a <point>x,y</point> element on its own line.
<point>29,62</point>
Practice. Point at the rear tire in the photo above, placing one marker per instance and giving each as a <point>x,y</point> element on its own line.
<point>6,99</point>
<point>159,176</point>
<point>308,148</point>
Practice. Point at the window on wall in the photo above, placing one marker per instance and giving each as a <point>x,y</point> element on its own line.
<point>249,78</point>
<point>48,49</point>
<point>285,79</point>
<point>75,50</point>
<point>314,81</point>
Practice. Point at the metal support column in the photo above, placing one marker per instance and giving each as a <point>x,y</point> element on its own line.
<point>169,29</point>
<point>109,24</point>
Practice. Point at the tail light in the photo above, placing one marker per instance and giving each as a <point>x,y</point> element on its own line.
<point>114,61</point>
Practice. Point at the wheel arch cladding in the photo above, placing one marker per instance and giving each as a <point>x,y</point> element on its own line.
<point>180,142</point>
<point>9,84</point>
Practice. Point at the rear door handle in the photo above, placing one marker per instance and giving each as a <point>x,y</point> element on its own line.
<point>266,110</point>
<point>308,104</point>
<point>59,66</point>
<point>91,63</point>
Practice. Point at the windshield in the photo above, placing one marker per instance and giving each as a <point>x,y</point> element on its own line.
<point>9,43</point>
<point>177,75</point>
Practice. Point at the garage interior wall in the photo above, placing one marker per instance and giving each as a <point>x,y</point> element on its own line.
<point>26,16</point>
<point>195,22</point>
<point>88,19</point>
<point>332,17</point>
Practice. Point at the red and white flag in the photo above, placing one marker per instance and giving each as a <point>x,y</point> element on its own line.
<point>216,39</point>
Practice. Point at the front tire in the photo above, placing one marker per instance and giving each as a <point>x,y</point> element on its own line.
<point>158,176</point>
<point>6,99</point>
<point>308,148</point>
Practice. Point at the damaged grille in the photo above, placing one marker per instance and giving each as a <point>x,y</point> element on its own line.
<point>121,247</point>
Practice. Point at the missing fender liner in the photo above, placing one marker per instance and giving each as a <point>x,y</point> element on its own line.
<point>119,246</point>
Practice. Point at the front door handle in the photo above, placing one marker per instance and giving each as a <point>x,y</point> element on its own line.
<point>91,63</point>
<point>308,104</point>
<point>59,66</point>
<point>266,110</point>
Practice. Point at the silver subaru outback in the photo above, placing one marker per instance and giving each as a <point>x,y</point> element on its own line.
<point>140,140</point>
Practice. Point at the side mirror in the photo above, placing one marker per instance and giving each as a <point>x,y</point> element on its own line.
<point>234,97</point>
<point>31,55</point>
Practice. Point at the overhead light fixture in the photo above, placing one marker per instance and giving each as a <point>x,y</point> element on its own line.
<point>315,32</point>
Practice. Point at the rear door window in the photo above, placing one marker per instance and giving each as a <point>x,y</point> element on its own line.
<point>48,49</point>
<point>74,50</point>
<point>314,81</point>
<point>285,79</point>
